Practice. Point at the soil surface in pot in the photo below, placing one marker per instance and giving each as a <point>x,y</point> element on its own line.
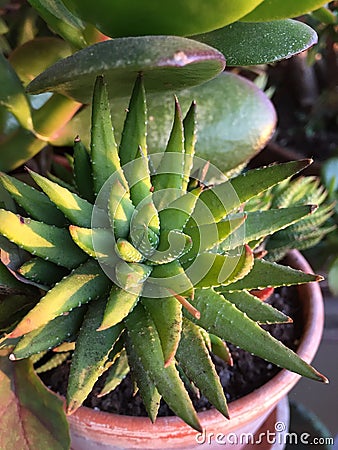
<point>247,373</point>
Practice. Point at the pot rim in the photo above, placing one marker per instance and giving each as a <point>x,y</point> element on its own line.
<point>243,410</point>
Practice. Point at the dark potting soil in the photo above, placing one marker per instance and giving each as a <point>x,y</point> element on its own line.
<point>247,373</point>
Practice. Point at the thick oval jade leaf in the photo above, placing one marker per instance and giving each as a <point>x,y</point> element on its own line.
<point>31,58</point>
<point>166,62</point>
<point>179,17</point>
<point>32,413</point>
<point>267,41</point>
<point>282,9</point>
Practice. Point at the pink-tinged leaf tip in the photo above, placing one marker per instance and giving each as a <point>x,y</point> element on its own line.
<point>188,306</point>
<point>263,294</point>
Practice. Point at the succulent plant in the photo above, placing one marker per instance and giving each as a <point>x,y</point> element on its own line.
<point>308,231</point>
<point>145,263</point>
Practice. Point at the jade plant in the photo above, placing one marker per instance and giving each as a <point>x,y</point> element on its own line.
<point>146,263</point>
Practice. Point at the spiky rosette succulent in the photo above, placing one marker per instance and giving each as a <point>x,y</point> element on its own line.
<point>145,264</point>
<point>310,230</point>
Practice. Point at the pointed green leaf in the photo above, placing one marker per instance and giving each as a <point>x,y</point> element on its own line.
<point>284,241</point>
<point>167,63</point>
<point>219,348</point>
<point>274,9</point>
<point>104,154</point>
<point>45,241</point>
<point>167,316</point>
<point>222,318</point>
<point>119,304</point>
<point>299,191</point>
<point>55,361</point>
<point>116,374</point>
<point>84,284</point>
<point>169,173</point>
<point>169,278</point>
<point>150,395</point>
<point>210,269</point>
<point>265,274</point>
<point>190,138</point>
<point>315,220</point>
<point>32,413</point>
<point>259,224</point>
<point>269,41</point>
<point>133,146</point>
<point>98,243</point>
<point>207,236</point>
<point>145,227</point>
<point>127,251</point>
<point>145,342</point>
<point>77,209</point>
<point>194,358</point>
<point>134,133</point>
<point>235,120</point>
<point>60,181</point>
<point>91,355</point>
<point>12,94</point>
<point>130,276</point>
<point>177,214</point>
<point>43,272</point>
<point>173,245</point>
<point>83,171</point>
<point>143,237</point>
<point>257,310</point>
<point>225,197</point>
<point>36,203</point>
<point>120,209</point>
<point>52,334</point>
<point>253,182</point>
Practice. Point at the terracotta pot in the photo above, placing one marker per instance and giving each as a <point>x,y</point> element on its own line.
<point>97,430</point>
